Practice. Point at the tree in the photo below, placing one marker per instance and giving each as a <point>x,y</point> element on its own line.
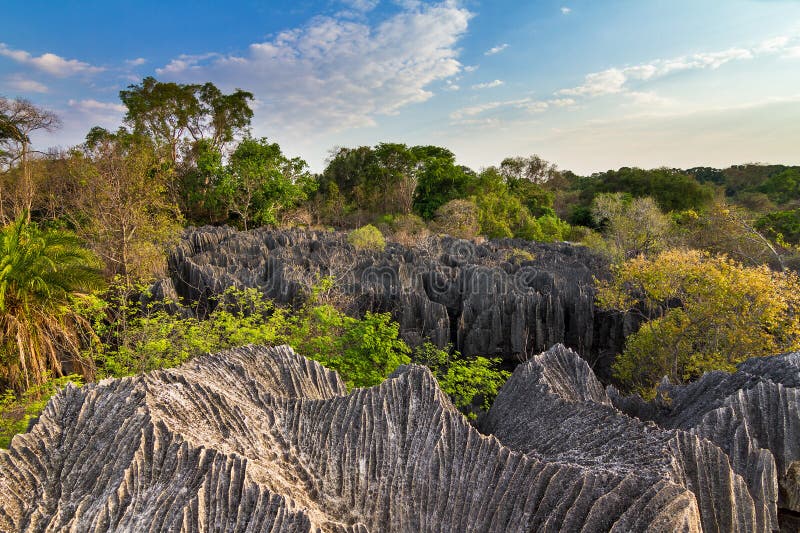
<point>171,112</point>
<point>440,180</point>
<point>632,226</point>
<point>703,312</point>
<point>724,228</point>
<point>672,190</point>
<point>260,182</point>
<point>40,271</point>
<point>121,206</point>
<point>18,119</point>
<point>458,218</point>
<point>533,169</point>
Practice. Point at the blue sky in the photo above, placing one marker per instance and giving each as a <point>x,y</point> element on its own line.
<point>589,84</point>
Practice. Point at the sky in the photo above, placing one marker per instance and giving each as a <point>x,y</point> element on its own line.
<point>589,85</point>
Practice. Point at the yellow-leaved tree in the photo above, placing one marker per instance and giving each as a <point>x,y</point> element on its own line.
<point>702,312</point>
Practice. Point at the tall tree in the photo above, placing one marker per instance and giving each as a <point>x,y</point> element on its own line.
<point>122,207</point>
<point>175,115</point>
<point>260,182</point>
<point>18,119</point>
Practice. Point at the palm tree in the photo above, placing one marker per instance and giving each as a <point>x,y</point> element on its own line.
<point>40,272</point>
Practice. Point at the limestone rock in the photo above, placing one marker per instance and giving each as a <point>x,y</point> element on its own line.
<point>554,408</point>
<point>751,414</point>
<point>446,289</point>
<point>260,439</point>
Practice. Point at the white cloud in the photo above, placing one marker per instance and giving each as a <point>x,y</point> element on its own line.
<point>334,73</point>
<point>488,84</point>
<point>562,102</point>
<point>615,80</point>
<point>526,104</point>
<point>566,10</point>
<point>792,53</point>
<point>495,50</point>
<point>135,62</point>
<point>25,85</point>
<point>361,5</point>
<point>649,99</point>
<point>470,68</point>
<point>50,63</point>
<point>94,106</point>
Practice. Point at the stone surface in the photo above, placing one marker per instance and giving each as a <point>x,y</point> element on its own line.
<point>476,296</point>
<point>554,408</point>
<point>260,439</point>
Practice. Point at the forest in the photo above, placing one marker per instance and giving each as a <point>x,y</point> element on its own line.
<point>706,259</point>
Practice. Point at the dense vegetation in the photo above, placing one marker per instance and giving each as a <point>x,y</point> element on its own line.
<point>84,230</point>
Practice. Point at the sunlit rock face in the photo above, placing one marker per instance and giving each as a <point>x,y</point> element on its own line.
<point>485,299</point>
<point>261,439</point>
<point>753,415</point>
<point>553,407</point>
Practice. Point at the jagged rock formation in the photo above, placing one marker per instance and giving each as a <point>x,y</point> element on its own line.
<point>477,297</point>
<point>751,414</point>
<point>553,407</point>
<point>260,439</point>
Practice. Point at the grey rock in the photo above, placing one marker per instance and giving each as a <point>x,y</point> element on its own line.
<point>751,414</point>
<point>449,290</point>
<point>261,439</point>
<point>554,408</point>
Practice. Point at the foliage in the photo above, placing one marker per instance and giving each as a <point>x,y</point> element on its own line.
<point>16,412</point>
<point>120,205</point>
<point>261,183</point>
<point>781,225</point>
<point>364,351</point>
<point>783,187</point>
<point>672,190</point>
<point>439,181</point>
<point>632,226</point>
<point>472,383</point>
<point>704,313</point>
<point>723,228</point>
<point>39,272</point>
<point>171,113</point>
<point>367,238</point>
<point>458,218</point>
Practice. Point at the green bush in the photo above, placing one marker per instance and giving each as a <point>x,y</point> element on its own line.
<point>367,238</point>
<point>16,412</point>
<point>471,383</point>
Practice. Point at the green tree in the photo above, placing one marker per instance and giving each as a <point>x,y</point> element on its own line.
<point>40,272</point>
<point>440,180</point>
<point>171,113</point>
<point>672,190</point>
<point>121,205</point>
<point>471,383</point>
<point>260,182</point>
<point>632,226</point>
<point>701,312</point>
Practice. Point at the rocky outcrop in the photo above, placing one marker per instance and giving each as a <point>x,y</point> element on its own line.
<point>751,414</point>
<point>485,299</point>
<point>554,408</point>
<point>260,439</point>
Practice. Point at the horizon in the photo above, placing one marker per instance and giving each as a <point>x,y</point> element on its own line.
<point>587,86</point>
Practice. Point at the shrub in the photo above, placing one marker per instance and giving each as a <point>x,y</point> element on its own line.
<point>706,313</point>
<point>458,218</point>
<point>409,230</point>
<point>367,238</point>
<point>16,412</point>
<point>471,383</point>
